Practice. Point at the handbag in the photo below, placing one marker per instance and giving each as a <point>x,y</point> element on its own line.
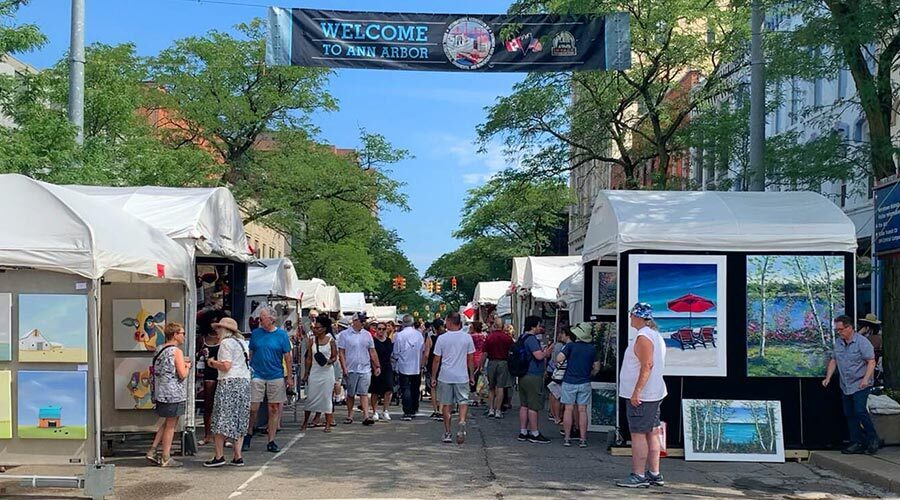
<point>318,356</point>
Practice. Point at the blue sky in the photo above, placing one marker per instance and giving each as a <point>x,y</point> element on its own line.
<point>60,318</point>
<point>431,114</point>
<point>660,283</point>
<point>68,390</point>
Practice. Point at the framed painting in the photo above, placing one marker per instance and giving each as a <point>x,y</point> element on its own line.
<point>687,293</point>
<point>603,407</point>
<point>732,431</point>
<point>132,383</point>
<point>53,328</point>
<point>138,324</point>
<point>604,290</point>
<point>5,326</point>
<point>792,301</point>
<point>52,405</point>
<point>5,404</point>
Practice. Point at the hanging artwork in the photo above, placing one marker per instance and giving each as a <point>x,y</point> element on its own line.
<point>53,328</point>
<point>603,407</point>
<point>52,405</point>
<point>5,326</point>
<point>138,324</point>
<point>687,293</point>
<point>5,404</point>
<point>606,341</point>
<point>132,383</point>
<point>604,290</point>
<point>792,301</point>
<point>732,431</point>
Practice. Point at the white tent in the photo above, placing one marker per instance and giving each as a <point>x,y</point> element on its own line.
<point>353,302</point>
<point>715,220</point>
<point>385,313</point>
<point>490,292</point>
<point>275,278</point>
<point>544,274</point>
<point>331,300</point>
<point>504,306</point>
<point>370,310</point>
<point>312,293</point>
<point>205,219</point>
<point>518,271</point>
<point>571,296</point>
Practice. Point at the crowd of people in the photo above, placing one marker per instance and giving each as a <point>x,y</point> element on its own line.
<point>371,362</point>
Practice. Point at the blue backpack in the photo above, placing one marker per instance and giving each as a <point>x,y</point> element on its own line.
<point>519,358</point>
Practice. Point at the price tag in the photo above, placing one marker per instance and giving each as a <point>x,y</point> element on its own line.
<point>81,285</point>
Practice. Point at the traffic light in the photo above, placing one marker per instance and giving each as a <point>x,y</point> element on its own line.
<point>443,307</point>
<point>437,287</point>
<point>395,284</point>
<point>453,283</point>
<point>402,282</point>
<point>430,286</point>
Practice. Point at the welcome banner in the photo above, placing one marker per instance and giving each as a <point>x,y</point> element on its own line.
<point>446,42</point>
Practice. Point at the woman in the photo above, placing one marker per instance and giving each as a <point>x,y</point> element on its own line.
<point>207,352</point>
<point>580,359</point>
<point>383,384</point>
<point>555,376</point>
<point>641,385</point>
<point>319,377</point>
<point>170,370</point>
<point>231,410</point>
<point>476,330</point>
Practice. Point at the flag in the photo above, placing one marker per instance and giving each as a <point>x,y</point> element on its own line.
<point>535,45</point>
<point>514,45</point>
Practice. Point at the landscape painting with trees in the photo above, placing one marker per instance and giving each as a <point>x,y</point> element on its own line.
<point>730,430</point>
<point>792,301</point>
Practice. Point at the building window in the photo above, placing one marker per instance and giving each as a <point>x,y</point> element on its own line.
<point>256,248</point>
<point>842,83</point>
<point>271,253</point>
<point>817,92</point>
<point>795,101</point>
<point>843,194</point>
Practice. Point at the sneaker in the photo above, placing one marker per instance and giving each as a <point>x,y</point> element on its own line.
<point>540,439</point>
<point>567,442</point>
<point>873,447</point>
<point>386,415</point>
<point>522,437</point>
<point>437,417</point>
<point>170,462</point>
<point>237,462</point>
<point>461,433</point>
<point>634,481</point>
<point>406,418</point>
<point>653,479</point>
<point>448,438</point>
<point>215,462</point>
<point>582,443</point>
<point>153,457</point>
<point>498,414</point>
<point>245,446</point>
<point>368,421</point>
<point>376,417</point>
<point>272,447</point>
<point>491,414</point>
<point>854,449</point>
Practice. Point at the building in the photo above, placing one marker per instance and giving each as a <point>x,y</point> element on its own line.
<point>35,341</point>
<point>50,417</point>
<point>10,66</point>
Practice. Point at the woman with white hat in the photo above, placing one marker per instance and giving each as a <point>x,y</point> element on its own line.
<point>580,358</point>
<point>231,409</point>
<point>641,384</point>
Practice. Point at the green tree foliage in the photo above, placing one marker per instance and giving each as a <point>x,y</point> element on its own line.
<point>17,38</point>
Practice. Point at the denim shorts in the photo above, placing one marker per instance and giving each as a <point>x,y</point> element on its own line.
<point>575,394</point>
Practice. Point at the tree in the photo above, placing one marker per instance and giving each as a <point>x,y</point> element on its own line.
<point>17,38</point>
<point>481,259</point>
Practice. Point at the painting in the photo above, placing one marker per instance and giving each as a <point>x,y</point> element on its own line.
<point>52,405</point>
<point>5,326</point>
<point>603,407</point>
<point>132,383</point>
<point>604,284</point>
<point>53,328</point>
<point>732,431</point>
<point>687,293</point>
<point>606,337</point>
<point>138,324</point>
<point>792,301</point>
<point>5,404</point>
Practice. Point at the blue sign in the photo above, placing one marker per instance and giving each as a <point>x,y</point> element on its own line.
<point>887,219</point>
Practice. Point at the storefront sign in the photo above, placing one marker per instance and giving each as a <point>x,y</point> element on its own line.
<point>887,219</point>
<point>445,42</point>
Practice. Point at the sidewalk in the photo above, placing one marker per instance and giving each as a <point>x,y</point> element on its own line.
<point>882,470</point>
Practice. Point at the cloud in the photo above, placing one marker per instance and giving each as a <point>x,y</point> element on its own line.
<point>468,156</point>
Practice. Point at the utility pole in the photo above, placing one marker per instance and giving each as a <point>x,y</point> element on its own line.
<point>757,100</point>
<point>76,70</point>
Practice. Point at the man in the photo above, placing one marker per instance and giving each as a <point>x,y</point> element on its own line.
<point>452,373</point>
<point>270,361</point>
<point>496,354</point>
<point>531,386</point>
<point>438,329</point>
<point>854,358</point>
<point>409,356</point>
<point>356,350</point>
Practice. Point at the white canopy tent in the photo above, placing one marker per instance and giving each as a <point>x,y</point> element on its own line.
<point>715,220</point>
<point>504,306</point>
<point>385,313</point>
<point>52,228</point>
<point>311,293</point>
<point>370,310</point>
<point>518,272</point>
<point>571,296</point>
<point>273,278</point>
<point>352,302</point>
<point>544,274</point>
<point>331,300</point>
<point>490,292</point>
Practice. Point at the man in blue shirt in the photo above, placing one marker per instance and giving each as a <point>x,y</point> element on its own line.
<point>270,362</point>
<point>531,386</point>
<point>854,358</point>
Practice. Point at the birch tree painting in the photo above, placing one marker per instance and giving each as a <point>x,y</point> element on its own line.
<point>729,430</point>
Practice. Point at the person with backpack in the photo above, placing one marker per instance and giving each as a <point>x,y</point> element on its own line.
<point>231,409</point>
<point>528,360</point>
<point>169,392</point>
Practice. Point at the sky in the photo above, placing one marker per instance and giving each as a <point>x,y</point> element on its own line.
<point>60,318</point>
<point>68,390</point>
<point>660,283</point>
<point>431,114</point>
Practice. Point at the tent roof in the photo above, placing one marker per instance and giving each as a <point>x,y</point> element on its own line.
<point>489,292</point>
<point>352,302</point>
<point>331,300</point>
<point>207,219</point>
<point>544,274</point>
<point>275,277</point>
<point>53,228</point>
<point>716,221</point>
<point>385,313</point>
<point>518,271</point>
<point>571,289</point>
<point>504,306</point>
<point>312,293</point>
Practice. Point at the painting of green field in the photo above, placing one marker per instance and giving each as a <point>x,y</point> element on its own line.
<point>35,432</point>
<point>5,404</point>
<point>52,405</point>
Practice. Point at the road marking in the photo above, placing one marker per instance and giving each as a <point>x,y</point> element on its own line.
<point>258,474</point>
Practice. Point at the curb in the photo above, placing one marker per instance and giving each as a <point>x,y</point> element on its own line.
<point>865,468</point>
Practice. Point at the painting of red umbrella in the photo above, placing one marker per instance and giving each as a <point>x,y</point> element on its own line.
<point>691,304</point>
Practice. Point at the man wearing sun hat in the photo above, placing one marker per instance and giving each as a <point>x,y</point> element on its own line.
<point>580,357</point>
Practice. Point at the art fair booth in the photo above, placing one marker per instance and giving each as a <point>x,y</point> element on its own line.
<point>539,289</point>
<point>331,300</point>
<point>273,283</point>
<point>312,294</point>
<point>744,288</point>
<point>64,256</point>
<point>487,295</point>
<point>352,302</point>
<point>207,223</point>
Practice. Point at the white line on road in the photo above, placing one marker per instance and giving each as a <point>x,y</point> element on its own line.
<point>258,474</point>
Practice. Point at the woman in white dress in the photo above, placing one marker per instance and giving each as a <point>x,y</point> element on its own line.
<point>321,355</point>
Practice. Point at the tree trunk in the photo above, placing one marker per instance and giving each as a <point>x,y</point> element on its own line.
<point>829,281</point>
<point>891,326</point>
<point>762,301</point>
<point>804,279</point>
<point>755,413</point>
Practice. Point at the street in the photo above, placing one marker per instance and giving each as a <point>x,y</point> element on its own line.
<point>407,460</point>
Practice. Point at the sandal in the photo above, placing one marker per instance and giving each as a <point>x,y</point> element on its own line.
<point>327,429</point>
<point>153,458</point>
<point>348,420</point>
<point>316,425</point>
